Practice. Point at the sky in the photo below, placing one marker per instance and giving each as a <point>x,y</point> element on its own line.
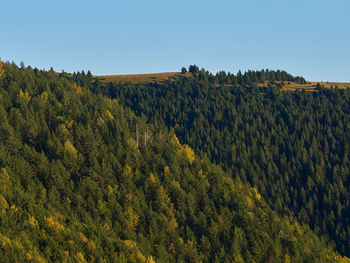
<point>307,38</point>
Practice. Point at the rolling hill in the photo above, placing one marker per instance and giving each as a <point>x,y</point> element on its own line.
<point>161,77</point>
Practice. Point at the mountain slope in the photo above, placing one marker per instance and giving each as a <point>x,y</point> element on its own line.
<point>292,146</point>
<point>83,179</point>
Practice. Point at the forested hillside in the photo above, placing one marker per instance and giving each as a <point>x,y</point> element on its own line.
<point>292,146</point>
<point>84,180</point>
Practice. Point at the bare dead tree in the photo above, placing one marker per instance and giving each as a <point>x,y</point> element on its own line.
<point>137,135</point>
<point>146,137</point>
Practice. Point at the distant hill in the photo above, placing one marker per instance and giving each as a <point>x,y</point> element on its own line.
<point>161,77</point>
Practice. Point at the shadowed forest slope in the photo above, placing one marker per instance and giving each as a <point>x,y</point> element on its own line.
<point>292,146</point>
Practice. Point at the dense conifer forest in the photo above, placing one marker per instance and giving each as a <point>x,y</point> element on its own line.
<point>83,179</point>
<point>293,147</point>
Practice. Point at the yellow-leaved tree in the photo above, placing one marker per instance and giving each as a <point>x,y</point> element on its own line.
<point>2,70</point>
<point>69,147</point>
<point>150,260</point>
<point>3,204</point>
<point>188,153</point>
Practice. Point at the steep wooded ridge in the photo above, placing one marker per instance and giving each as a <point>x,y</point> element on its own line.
<point>84,180</point>
<point>292,146</point>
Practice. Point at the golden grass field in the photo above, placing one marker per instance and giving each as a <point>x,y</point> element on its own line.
<point>159,77</point>
<point>140,78</point>
<point>309,86</point>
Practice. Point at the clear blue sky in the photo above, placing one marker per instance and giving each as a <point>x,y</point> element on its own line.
<point>309,38</point>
